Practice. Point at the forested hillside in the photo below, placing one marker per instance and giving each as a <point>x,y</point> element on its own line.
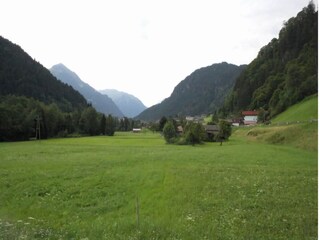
<point>201,92</point>
<point>21,75</point>
<point>284,72</point>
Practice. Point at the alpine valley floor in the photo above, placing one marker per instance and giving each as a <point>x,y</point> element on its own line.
<point>134,186</point>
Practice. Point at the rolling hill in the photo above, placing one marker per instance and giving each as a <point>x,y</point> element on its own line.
<point>203,91</point>
<point>128,104</point>
<point>100,102</point>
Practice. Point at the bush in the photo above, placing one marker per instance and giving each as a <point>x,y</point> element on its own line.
<point>169,132</point>
<point>194,133</point>
<point>225,131</point>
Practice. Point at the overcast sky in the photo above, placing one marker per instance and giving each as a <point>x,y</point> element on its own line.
<point>143,47</point>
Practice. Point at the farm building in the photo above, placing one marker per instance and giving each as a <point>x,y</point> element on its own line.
<point>237,122</point>
<point>196,119</point>
<point>180,130</point>
<point>211,131</point>
<point>136,130</point>
<point>250,117</point>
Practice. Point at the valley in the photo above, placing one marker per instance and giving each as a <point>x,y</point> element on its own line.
<point>232,153</point>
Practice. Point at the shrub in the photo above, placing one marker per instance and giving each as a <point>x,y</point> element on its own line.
<point>169,132</point>
<point>224,131</point>
<point>194,133</point>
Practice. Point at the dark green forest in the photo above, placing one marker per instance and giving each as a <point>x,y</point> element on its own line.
<point>24,118</point>
<point>284,72</point>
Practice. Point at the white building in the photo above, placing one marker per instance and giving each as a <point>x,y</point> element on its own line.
<point>250,117</point>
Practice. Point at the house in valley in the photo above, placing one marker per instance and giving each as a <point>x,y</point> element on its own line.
<point>211,131</point>
<point>237,122</point>
<point>250,117</point>
<point>136,130</point>
<point>180,130</point>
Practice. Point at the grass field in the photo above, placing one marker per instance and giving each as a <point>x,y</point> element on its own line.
<point>134,186</point>
<point>303,135</point>
<point>303,111</point>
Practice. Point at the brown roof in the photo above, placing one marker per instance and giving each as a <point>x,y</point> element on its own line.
<point>180,129</point>
<point>211,128</point>
<point>250,113</point>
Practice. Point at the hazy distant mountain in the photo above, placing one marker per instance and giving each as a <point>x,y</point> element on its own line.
<point>21,75</point>
<point>202,92</point>
<point>100,102</point>
<point>128,104</point>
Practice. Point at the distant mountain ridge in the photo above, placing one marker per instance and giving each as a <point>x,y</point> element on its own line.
<point>203,91</point>
<point>100,102</point>
<point>21,75</point>
<point>128,104</point>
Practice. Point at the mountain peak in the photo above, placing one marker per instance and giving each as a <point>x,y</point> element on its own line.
<point>60,66</point>
<point>100,102</point>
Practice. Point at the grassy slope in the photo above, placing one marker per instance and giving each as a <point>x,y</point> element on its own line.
<point>87,188</point>
<point>303,136</point>
<point>303,111</point>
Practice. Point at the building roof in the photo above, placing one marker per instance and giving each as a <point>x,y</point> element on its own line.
<point>210,128</point>
<point>250,113</point>
<point>180,129</point>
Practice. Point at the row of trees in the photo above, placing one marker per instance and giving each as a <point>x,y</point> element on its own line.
<point>22,117</point>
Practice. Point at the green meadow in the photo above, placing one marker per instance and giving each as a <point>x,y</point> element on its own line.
<point>305,110</point>
<point>134,186</point>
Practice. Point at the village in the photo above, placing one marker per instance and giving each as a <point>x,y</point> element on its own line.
<point>211,127</point>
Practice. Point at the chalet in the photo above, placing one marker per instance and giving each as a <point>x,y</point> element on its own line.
<point>250,117</point>
<point>211,130</point>
<point>136,130</point>
<point>180,130</point>
<point>195,119</point>
<point>237,122</point>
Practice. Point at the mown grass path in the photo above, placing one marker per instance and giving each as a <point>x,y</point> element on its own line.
<point>86,188</point>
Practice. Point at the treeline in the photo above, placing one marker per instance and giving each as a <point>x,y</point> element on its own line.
<point>284,72</point>
<point>23,118</point>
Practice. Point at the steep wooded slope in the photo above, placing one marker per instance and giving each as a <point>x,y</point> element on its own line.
<point>22,76</point>
<point>284,72</point>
